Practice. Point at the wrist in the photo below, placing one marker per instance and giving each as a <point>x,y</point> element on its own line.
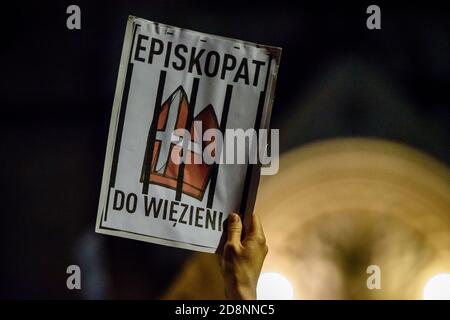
<point>241,292</point>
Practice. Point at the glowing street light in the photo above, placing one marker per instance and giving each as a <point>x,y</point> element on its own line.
<point>437,287</point>
<point>274,286</point>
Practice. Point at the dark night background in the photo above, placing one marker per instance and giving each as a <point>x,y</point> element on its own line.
<point>337,78</point>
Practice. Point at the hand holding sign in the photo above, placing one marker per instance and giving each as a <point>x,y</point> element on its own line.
<point>242,260</point>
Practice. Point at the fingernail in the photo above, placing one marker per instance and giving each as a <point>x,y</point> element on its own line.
<point>234,217</point>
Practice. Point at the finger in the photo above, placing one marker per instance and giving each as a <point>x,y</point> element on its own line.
<point>256,229</point>
<point>234,229</point>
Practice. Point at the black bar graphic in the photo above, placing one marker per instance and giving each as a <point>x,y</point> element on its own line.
<point>252,167</point>
<point>223,126</point>
<point>190,117</point>
<point>123,109</point>
<point>152,132</point>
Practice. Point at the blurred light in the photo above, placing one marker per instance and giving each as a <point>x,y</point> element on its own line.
<point>437,287</point>
<point>274,286</point>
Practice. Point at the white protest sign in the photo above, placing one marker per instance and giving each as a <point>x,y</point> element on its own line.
<point>178,92</point>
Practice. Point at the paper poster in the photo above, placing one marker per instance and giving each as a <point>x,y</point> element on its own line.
<point>174,87</point>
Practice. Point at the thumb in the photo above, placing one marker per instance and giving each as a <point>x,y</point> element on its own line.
<point>234,229</point>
